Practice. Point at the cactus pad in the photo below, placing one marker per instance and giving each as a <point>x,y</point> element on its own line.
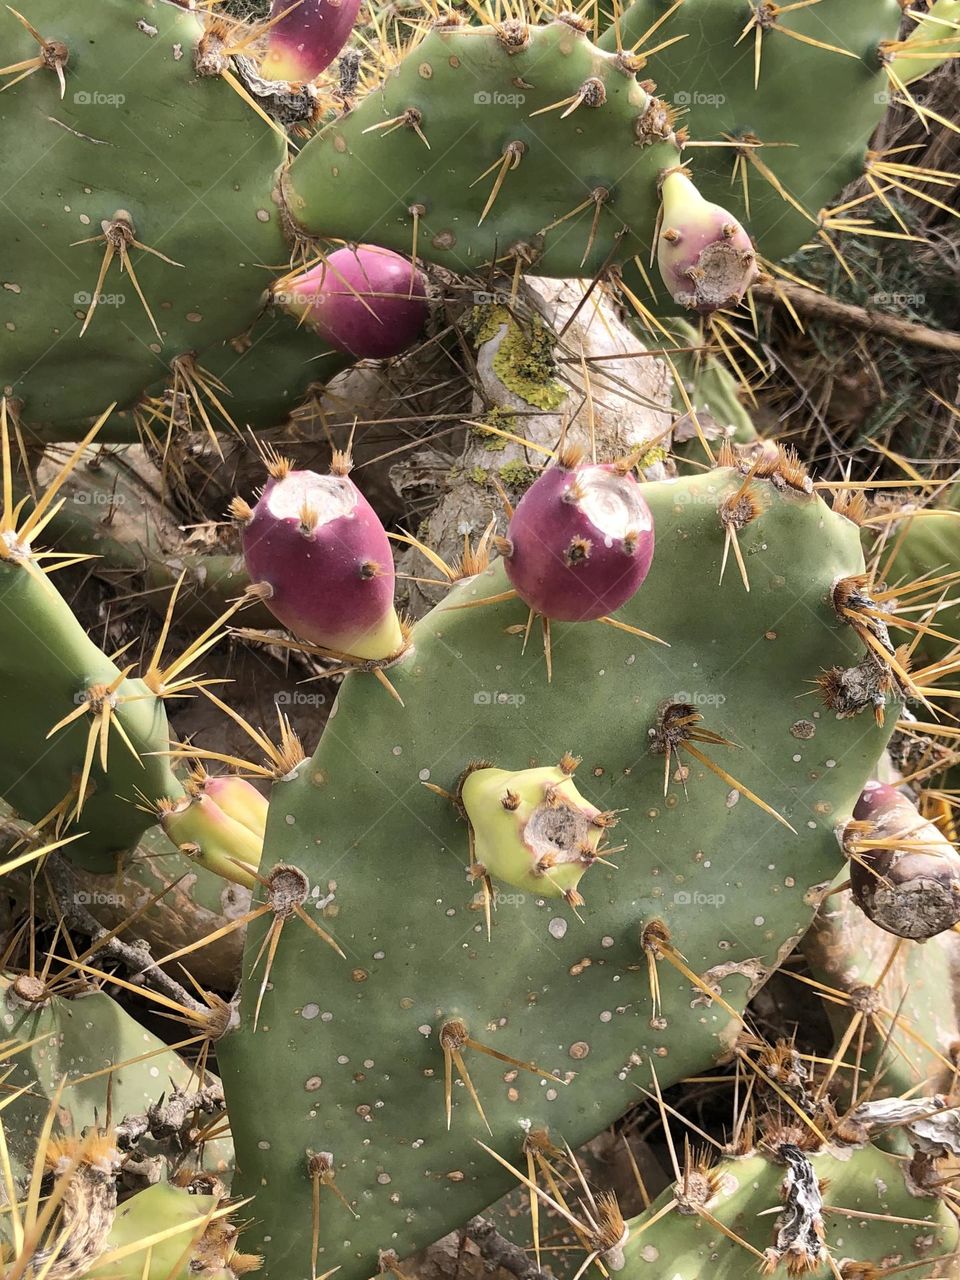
<point>709,890</point>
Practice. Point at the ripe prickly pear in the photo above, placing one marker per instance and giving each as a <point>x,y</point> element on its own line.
<point>904,872</point>
<point>706,259</point>
<point>306,36</point>
<point>366,301</point>
<point>580,541</point>
<point>323,562</point>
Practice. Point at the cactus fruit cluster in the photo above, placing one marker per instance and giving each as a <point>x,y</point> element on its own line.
<point>305,1001</point>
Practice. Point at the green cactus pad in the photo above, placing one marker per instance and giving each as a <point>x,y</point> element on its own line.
<point>89,1035</point>
<point>352,1048</point>
<point>269,370</point>
<point>259,378</point>
<point>474,94</point>
<point>822,128</point>
<point>850,955</point>
<point>930,42</point>
<point>181,1256</point>
<point>865,1186</point>
<point>48,668</point>
<point>139,130</point>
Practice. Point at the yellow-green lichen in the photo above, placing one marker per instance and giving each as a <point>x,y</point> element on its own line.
<point>657,454</point>
<point>478,475</point>
<point>501,420</point>
<point>524,361</point>
<point>518,474</point>
<point>484,321</point>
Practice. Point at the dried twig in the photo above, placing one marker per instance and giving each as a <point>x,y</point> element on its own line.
<point>820,306</point>
<point>500,1252</point>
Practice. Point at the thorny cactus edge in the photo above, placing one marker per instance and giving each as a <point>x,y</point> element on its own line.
<point>573,995</point>
<point>174,307</point>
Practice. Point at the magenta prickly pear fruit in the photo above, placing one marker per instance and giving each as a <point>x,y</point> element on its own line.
<point>580,541</point>
<point>306,36</point>
<point>322,561</point>
<point>706,259</point>
<point>366,301</point>
<point>878,798</point>
<point>904,872</point>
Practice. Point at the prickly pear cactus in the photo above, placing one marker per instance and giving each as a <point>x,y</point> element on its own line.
<point>141,210</point>
<point>728,778</point>
<point>191,1240</point>
<point>855,1207</point>
<point>80,1047</point>
<point>90,737</point>
<point>726,79</point>
<point>551,150</point>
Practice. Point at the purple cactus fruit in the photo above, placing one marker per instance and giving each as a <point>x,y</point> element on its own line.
<point>904,872</point>
<point>323,560</point>
<point>366,301</point>
<point>706,259</point>
<point>580,541</point>
<point>877,798</point>
<point>306,37</point>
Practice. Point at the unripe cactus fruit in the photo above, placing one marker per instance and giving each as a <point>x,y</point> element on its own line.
<point>323,562</point>
<point>706,259</point>
<point>580,542</point>
<point>532,828</point>
<point>200,828</point>
<point>240,800</point>
<point>904,872</point>
<point>306,36</point>
<point>366,301</point>
<point>931,40</point>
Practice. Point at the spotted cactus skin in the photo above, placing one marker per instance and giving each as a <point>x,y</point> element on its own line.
<point>710,78</point>
<point>351,1049</point>
<point>857,1183</point>
<point>463,87</point>
<point>76,162</point>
